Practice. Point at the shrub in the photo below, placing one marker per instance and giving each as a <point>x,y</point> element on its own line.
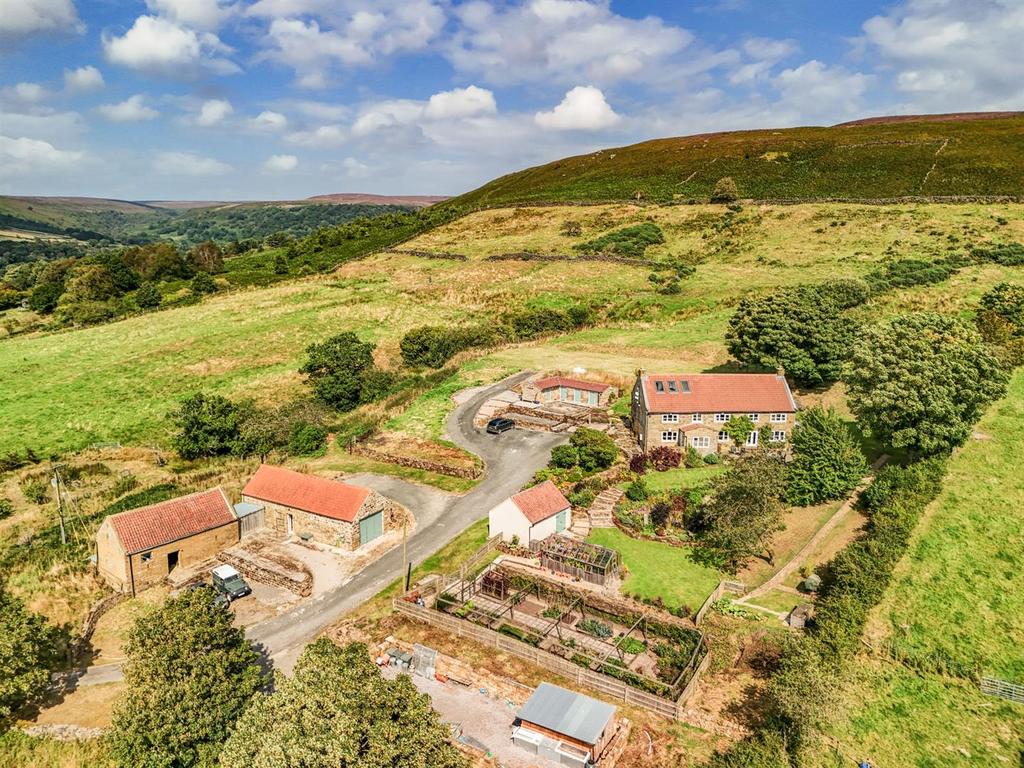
<point>693,458</point>
<point>725,191</point>
<point>1007,254</point>
<point>307,439</point>
<point>663,458</point>
<point>582,498</point>
<point>637,490</point>
<point>36,491</point>
<point>596,450</point>
<point>661,513</point>
<point>909,272</point>
<point>827,460</point>
<point>845,292</point>
<point>638,463</point>
<point>711,458</point>
<point>564,456</point>
<point>628,241</point>
<point>148,296</point>
<point>202,283</point>
<point>125,483</point>
<point>280,264</point>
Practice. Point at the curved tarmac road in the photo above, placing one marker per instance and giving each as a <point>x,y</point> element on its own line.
<point>510,461</point>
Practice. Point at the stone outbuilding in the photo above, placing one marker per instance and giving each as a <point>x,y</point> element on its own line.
<point>139,548</point>
<point>562,389</point>
<point>564,726</point>
<point>329,511</point>
<point>532,515</point>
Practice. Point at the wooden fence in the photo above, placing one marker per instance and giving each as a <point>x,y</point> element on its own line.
<point>584,677</point>
<point>732,587</point>
<point>992,686</point>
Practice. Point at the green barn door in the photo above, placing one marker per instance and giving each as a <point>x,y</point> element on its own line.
<point>371,527</point>
<point>560,520</point>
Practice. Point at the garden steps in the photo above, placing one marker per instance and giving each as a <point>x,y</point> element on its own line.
<point>601,510</point>
<point>580,528</point>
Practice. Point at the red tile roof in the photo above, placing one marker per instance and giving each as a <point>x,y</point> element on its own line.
<point>719,393</point>
<point>318,495</point>
<point>540,502</point>
<point>148,527</point>
<point>563,381</point>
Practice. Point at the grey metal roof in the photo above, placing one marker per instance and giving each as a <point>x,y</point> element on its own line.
<point>244,508</point>
<point>568,713</point>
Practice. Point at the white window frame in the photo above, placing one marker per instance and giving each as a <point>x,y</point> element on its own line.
<point>723,436</point>
<point>754,417</point>
<point>697,418</point>
<point>752,439</point>
<point>670,436</point>
<point>670,418</point>
<point>778,436</point>
<point>721,418</point>
<point>700,441</point>
<point>778,418</point>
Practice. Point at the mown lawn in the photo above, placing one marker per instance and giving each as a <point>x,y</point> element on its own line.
<point>957,598</point>
<point>659,570</point>
<point>677,479</point>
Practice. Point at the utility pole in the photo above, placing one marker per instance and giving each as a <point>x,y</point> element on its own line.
<point>405,551</point>
<point>55,482</point>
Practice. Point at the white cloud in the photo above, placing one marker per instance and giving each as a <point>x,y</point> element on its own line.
<point>29,93</point>
<point>188,164</point>
<point>268,122</point>
<point>213,112</point>
<point>281,163</point>
<point>952,56</point>
<point>85,78</point>
<point>763,53</point>
<point>564,40</point>
<point>387,114</point>
<point>131,110</point>
<point>583,109</point>
<point>24,155</point>
<point>818,91</point>
<point>26,17</point>
<point>461,102</point>
<point>362,33</point>
<point>199,14</point>
<point>354,168</point>
<point>159,46</point>
<point>323,136</point>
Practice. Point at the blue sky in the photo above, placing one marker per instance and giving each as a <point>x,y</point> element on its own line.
<point>280,99</point>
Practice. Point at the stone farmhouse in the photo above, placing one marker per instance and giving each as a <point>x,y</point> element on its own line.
<point>561,389</point>
<point>332,512</point>
<point>138,548</point>
<point>531,515</point>
<point>691,410</point>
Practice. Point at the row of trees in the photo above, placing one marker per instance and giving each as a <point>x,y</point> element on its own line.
<point>198,695</point>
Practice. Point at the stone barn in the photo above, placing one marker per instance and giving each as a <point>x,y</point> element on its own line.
<point>139,548</point>
<point>329,511</point>
<point>562,389</point>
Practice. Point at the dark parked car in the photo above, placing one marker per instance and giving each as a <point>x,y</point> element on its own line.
<point>499,425</point>
<point>228,581</point>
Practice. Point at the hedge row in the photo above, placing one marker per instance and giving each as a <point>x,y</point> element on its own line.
<point>434,345</point>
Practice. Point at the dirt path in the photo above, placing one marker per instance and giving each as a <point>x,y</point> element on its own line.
<point>801,557</point>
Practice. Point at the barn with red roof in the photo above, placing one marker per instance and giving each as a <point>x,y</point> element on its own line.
<point>531,515</point>
<point>693,410</point>
<point>329,511</point>
<point>568,389</point>
<point>139,548</point>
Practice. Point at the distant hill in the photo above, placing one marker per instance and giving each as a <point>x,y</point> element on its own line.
<point>935,156</point>
<point>415,201</point>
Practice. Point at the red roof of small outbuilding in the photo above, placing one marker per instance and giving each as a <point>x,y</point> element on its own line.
<point>158,524</point>
<point>540,502</point>
<point>564,381</point>
<point>317,495</point>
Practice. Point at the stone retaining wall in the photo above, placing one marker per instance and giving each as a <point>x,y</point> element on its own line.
<point>78,645</point>
<point>427,254</point>
<point>266,571</point>
<point>469,473</point>
<point>531,256</point>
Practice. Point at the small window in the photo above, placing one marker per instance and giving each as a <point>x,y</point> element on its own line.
<point>659,386</point>
<point>721,418</point>
<point>752,438</point>
<point>670,418</point>
<point>146,557</point>
<point>723,436</point>
<point>700,442</point>
<point>670,437</point>
<point>684,386</point>
<point>697,418</point>
<point>778,436</point>
<point>778,418</point>
<point>671,386</point>
<point>754,417</point>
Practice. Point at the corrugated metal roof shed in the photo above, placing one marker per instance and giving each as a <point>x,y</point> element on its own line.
<point>571,714</point>
<point>246,508</point>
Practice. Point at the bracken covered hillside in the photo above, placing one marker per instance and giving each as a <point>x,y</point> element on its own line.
<point>933,156</point>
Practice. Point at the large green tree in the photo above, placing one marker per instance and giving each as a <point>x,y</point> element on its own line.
<point>190,674</point>
<point>339,712</point>
<point>336,369</point>
<point>802,330</point>
<point>742,514</point>
<point>208,425</point>
<point>919,382</point>
<point>827,460</point>
<point>27,645</point>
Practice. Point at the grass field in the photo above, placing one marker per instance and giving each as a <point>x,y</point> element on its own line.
<point>958,595</point>
<point>659,570</point>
